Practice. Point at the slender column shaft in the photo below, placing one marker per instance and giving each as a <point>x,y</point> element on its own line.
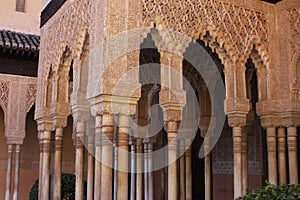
<point>8,172</point>
<point>188,171</point>
<point>79,160</point>
<point>146,187</point>
<point>182,170</point>
<point>132,178</point>
<point>150,174</point>
<point>244,163</point>
<point>139,169</point>
<point>98,157</point>
<point>40,169</point>
<point>292,149</point>
<point>46,140</point>
<point>172,156</point>
<point>282,156</point>
<point>17,172</point>
<point>90,173</point>
<point>207,169</point>
<point>123,141</point>
<point>237,151</point>
<point>272,158</point>
<point>58,164</point>
<point>107,156</point>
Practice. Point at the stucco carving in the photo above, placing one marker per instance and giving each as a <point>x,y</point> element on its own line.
<point>4,89</point>
<point>31,95</point>
<point>232,27</point>
<point>295,28</point>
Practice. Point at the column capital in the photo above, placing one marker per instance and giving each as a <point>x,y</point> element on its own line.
<point>172,111</point>
<point>45,124</point>
<point>237,119</point>
<point>234,105</point>
<point>109,104</point>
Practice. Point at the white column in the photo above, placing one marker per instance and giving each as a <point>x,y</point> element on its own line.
<point>57,164</point>
<point>188,171</point>
<point>244,162</point>
<point>98,157</point>
<point>150,174</point>
<point>282,156</point>
<point>272,157</point>
<point>146,187</point>
<point>237,151</point>
<point>132,174</point>
<point>122,143</point>
<point>139,169</point>
<point>90,173</point>
<point>293,158</point>
<point>8,172</point>
<point>182,170</point>
<point>107,156</point>
<point>79,160</point>
<point>17,172</point>
<point>46,146</point>
<point>172,156</point>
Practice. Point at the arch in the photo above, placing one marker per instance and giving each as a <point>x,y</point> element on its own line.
<point>262,75</point>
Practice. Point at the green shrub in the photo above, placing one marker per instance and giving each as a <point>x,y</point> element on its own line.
<point>67,188</point>
<point>271,192</point>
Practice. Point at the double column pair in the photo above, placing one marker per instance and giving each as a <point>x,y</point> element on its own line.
<point>9,171</point>
<point>104,151</point>
<point>45,156</point>
<point>185,168</point>
<point>280,139</point>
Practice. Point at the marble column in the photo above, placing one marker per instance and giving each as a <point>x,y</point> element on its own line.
<point>207,172</point>
<point>281,136</point>
<point>122,143</point>
<point>90,173</point>
<point>188,171</point>
<point>150,174</point>
<point>79,160</point>
<point>57,164</point>
<point>244,162</point>
<point>132,170</point>
<point>272,158</point>
<point>182,170</point>
<point>107,156</point>
<point>17,172</point>
<point>46,146</point>
<point>40,167</point>
<point>9,171</point>
<point>237,154</point>
<point>292,151</point>
<point>172,129</point>
<point>139,169</point>
<point>98,157</point>
<point>146,187</point>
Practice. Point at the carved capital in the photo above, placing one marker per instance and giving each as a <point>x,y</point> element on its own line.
<point>236,105</point>
<point>113,105</point>
<point>237,119</point>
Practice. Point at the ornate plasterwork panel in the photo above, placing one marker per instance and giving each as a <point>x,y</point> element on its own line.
<point>235,28</point>
<point>30,96</point>
<point>4,89</point>
<point>295,26</point>
<point>66,28</point>
<point>17,95</point>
